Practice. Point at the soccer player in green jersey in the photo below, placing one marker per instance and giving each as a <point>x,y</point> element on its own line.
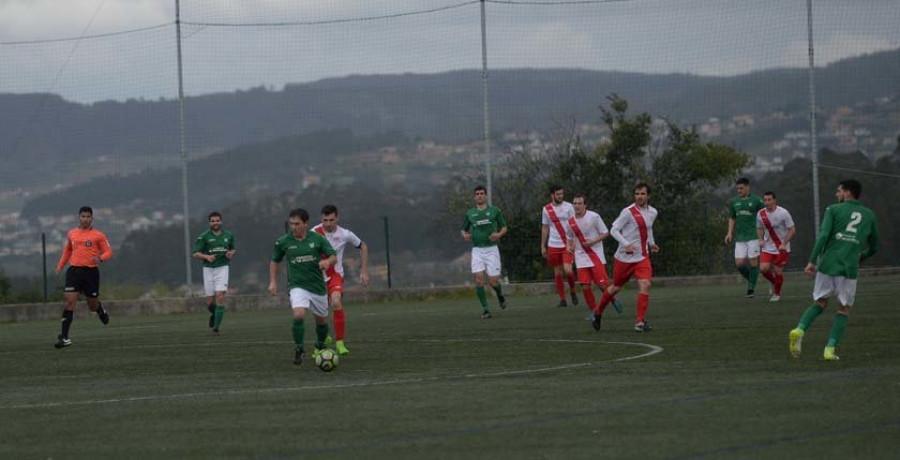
<point>304,251</point>
<point>849,234</point>
<point>742,211</point>
<point>484,226</point>
<point>215,247</point>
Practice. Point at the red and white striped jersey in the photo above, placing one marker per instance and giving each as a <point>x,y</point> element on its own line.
<point>781,221</point>
<point>591,226</point>
<point>339,239</point>
<point>563,212</point>
<point>626,230</point>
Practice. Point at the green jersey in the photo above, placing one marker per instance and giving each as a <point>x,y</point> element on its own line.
<point>847,228</point>
<point>481,223</point>
<point>303,260</point>
<point>743,211</point>
<point>211,244</point>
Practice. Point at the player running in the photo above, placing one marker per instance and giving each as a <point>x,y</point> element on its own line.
<point>215,247</point>
<point>484,225</point>
<point>339,237</point>
<point>554,218</point>
<point>85,249</point>
<point>775,230</point>
<point>849,235</point>
<point>633,229</point>
<point>306,283</point>
<point>586,233</point>
<point>742,211</point>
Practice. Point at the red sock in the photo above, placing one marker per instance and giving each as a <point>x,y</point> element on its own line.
<point>779,281</point>
<point>604,301</point>
<point>643,302</point>
<point>560,287</point>
<point>339,324</point>
<point>571,277</point>
<point>769,275</point>
<point>588,296</point>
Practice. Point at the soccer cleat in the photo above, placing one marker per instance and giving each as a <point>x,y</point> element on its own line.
<point>502,301</point>
<point>596,322</point>
<point>562,304</point>
<point>328,341</point>
<point>643,326</point>
<point>341,348</point>
<point>62,342</point>
<point>215,332</point>
<point>617,305</point>
<point>212,316</point>
<point>590,317</point>
<point>796,341</point>
<point>486,315</point>
<point>829,354</point>
<point>775,298</point>
<point>574,298</point>
<point>298,357</point>
<point>750,294</point>
<point>104,316</point>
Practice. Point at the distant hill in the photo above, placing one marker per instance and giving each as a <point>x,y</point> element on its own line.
<point>40,130</point>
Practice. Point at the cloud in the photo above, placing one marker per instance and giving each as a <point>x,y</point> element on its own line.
<point>22,20</point>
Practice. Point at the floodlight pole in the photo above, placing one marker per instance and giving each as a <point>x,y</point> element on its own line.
<point>485,107</point>
<point>812,118</point>
<point>184,160</point>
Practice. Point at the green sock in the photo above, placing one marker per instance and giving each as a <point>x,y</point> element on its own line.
<point>809,316</point>
<point>321,335</point>
<point>220,313</point>
<point>482,297</point>
<point>837,331</point>
<point>498,289</point>
<point>745,272</point>
<point>754,275</point>
<point>298,330</point>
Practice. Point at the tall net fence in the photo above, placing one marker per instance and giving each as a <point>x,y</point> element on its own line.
<point>378,108</point>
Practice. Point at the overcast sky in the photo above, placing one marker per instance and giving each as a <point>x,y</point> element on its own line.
<point>706,37</point>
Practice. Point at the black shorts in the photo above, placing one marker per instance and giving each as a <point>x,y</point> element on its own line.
<point>85,280</point>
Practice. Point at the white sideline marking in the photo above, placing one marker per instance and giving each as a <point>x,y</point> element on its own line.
<point>653,349</point>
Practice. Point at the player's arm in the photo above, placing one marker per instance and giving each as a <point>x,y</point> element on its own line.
<point>871,242</point>
<point>791,232</point>
<point>231,249</point>
<point>106,251</point>
<point>364,266</point>
<point>329,251</point>
<point>760,232</point>
<point>200,250</point>
<point>616,231</point>
<point>66,254</point>
<point>730,235</point>
<point>821,241</point>
<point>501,224</point>
<point>277,257</point>
<point>545,234</point>
<point>465,230</point>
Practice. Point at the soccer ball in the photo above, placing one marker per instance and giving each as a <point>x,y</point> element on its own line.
<point>327,360</point>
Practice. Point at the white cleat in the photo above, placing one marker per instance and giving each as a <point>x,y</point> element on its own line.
<point>775,298</point>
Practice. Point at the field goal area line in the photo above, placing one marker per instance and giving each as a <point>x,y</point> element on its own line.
<point>653,349</point>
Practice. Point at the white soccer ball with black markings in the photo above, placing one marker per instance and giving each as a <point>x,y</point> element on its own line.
<point>327,360</point>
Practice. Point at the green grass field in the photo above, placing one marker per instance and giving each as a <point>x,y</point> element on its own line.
<point>433,380</point>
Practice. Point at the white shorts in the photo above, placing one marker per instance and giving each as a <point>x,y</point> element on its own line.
<point>835,286</point>
<point>301,298</point>
<point>215,279</point>
<point>486,260</point>
<point>746,249</point>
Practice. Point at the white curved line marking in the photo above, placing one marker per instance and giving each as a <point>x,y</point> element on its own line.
<point>653,350</point>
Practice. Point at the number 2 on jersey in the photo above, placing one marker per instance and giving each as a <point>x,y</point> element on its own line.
<point>855,219</point>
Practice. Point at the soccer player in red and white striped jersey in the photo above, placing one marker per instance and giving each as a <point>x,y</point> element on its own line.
<point>633,229</point>
<point>586,233</point>
<point>775,228</point>
<point>554,221</point>
<point>340,237</point>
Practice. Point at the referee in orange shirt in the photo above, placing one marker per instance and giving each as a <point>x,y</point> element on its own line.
<point>85,249</point>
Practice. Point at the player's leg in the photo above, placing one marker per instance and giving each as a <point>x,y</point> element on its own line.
<point>318,305</point>
<point>209,288</point>
<point>73,285</point>
<point>92,294</point>
<point>846,295</point>
<point>778,267</point>
<point>492,268</point>
<point>753,262</point>
<point>299,305</point>
<point>568,264</point>
<point>765,266</point>
<point>336,303</point>
<point>555,260</point>
<point>823,289</point>
<point>481,294</point>
<point>220,285</point>
<point>622,272</point>
<point>740,259</point>
<point>585,278</point>
<point>644,273</point>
